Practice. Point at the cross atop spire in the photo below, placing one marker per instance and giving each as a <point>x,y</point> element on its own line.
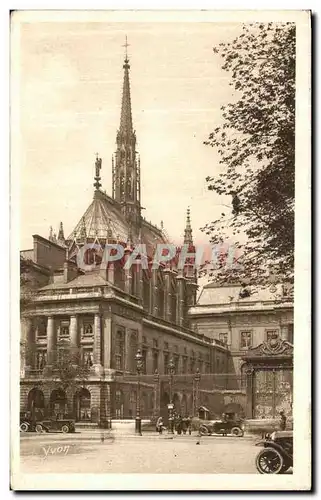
<point>126,123</point>
<point>126,45</point>
<point>188,235</point>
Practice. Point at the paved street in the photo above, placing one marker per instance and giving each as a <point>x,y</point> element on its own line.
<point>95,452</point>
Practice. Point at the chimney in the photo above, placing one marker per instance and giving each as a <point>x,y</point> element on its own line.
<point>70,271</point>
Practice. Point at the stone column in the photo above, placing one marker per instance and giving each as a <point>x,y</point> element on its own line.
<point>107,343</point>
<point>161,361</point>
<point>74,337</point>
<point>51,341</point>
<point>97,343</point>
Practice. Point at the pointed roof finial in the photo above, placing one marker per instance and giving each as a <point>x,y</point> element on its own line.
<point>98,162</point>
<point>61,237</point>
<point>126,122</point>
<point>188,235</point>
<point>126,45</point>
<point>50,234</point>
<point>162,225</point>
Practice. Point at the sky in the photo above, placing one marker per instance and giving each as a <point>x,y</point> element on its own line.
<point>70,76</point>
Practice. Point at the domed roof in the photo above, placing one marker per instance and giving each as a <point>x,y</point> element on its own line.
<point>102,219</point>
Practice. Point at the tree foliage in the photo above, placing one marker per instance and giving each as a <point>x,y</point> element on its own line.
<point>256,144</point>
<point>67,369</point>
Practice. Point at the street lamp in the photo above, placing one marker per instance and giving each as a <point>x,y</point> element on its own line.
<point>139,367</point>
<point>171,371</point>
<point>156,386</point>
<point>197,379</point>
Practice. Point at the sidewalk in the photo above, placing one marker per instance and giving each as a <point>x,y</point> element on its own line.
<point>103,434</point>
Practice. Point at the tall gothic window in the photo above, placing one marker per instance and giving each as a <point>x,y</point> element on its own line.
<point>146,289</point>
<point>161,296</point>
<point>119,350</point>
<point>173,302</point>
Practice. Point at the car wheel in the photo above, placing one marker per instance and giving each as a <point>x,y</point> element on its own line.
<point>65,429</point>
<point>204,430</point>
<point>24,427</point>
<point>237,431</point>
<point>39,428</point>
<point>269,461</point>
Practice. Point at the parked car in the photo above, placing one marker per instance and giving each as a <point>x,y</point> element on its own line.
<point>230,423</point>
<point>26,423</point>
<point>276,457</point>
<point>63,425</point>
<point>229,426</point>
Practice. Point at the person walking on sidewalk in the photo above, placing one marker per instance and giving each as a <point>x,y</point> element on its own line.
<point>159,425</point>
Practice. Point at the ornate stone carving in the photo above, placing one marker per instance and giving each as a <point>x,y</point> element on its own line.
<point>275,346</point>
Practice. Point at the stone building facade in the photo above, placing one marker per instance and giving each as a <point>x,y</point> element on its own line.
<point>105,312</point>
<point>257,329</point>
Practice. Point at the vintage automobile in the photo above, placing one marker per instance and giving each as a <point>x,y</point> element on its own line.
<point>276,457</point>
<point>29,424</point>
<point>26,424</point>
<point>230,424</point>
<point>52,424</point>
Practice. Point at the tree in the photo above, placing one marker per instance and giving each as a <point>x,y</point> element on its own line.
<point>256,144</point>
<point>67,371</point>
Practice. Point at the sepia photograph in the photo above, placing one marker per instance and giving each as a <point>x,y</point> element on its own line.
<point>160,184</point>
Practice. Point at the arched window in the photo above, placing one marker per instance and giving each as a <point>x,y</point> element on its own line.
<point>82,405</point>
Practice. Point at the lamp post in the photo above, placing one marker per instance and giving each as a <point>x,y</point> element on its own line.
<point>171,371</point>
<point>139,367</point>
<point>156,387</point>
<point>197,379</point>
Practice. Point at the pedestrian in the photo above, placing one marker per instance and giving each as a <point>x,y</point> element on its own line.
<point>159,425</point>
<point>178,424</point>
<point>282,421</point>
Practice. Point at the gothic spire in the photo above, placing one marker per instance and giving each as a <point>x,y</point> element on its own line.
<point>61,236</point>
<point>188,236</point>
<point>126,123</point>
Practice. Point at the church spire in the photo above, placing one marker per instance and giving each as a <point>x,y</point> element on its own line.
<point>125,164</point>
<point>126,122</point>
<point>61,236</point>
<point>188,235</point>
